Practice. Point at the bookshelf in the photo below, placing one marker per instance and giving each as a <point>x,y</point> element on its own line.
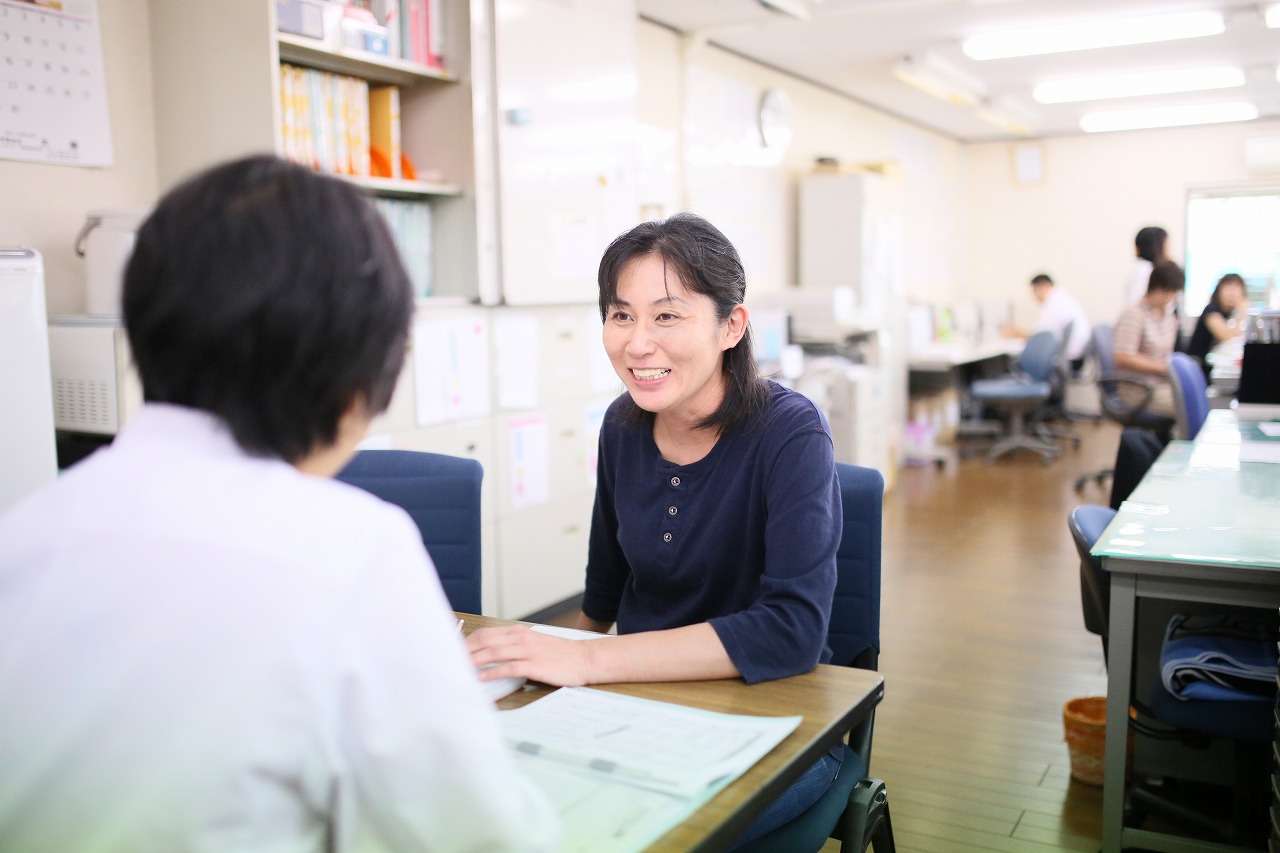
<point>216,72</point>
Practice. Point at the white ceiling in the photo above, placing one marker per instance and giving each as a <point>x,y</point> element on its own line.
<point>850,46</point>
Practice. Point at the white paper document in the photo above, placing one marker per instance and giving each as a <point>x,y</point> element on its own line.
<point>621,770</point>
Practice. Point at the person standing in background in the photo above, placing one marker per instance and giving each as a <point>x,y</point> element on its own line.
<point>1149,246</point>
<point>1146,332</point>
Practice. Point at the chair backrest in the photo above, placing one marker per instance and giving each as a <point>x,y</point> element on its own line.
<point>1190,394</point>
<point>1102,345</point>
<point>1086,523</point>
<point>854,633</point>
<point>442,496</point>
<point>1038,356</point>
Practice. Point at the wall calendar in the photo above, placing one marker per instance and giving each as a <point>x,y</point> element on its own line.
<point>53,96</point>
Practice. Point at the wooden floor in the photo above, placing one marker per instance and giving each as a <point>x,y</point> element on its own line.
<point>982,643</point>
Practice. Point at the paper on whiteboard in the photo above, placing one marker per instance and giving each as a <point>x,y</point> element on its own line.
<point>451,369</point>
<point>53,94</point>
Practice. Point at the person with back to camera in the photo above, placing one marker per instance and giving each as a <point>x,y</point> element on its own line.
<point>1145,334</point>
<point>208,643</point>
<point>1221,321</point>
<point>1149,245</point>
<point>717,511</point>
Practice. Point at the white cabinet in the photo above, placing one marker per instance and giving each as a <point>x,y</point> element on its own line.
<point>850,236</point>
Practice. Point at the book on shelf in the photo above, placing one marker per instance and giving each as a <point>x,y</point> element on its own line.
<point>384,125</point>
<point>622,771</point>
<point>410,225</point>
<point>324,120</point>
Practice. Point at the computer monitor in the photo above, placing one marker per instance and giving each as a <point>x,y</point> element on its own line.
<point>1260,374</point>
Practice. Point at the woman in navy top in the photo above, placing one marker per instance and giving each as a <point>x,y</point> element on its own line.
<point>717,513</point>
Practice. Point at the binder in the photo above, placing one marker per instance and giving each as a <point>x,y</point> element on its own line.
<point>384,124</point>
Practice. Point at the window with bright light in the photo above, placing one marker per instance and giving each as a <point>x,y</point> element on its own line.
<point>1233,231</point>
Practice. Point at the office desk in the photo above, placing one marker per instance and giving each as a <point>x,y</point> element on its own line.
<point>942,358</point>
<point>1203,527</point>
<point>831,699</point>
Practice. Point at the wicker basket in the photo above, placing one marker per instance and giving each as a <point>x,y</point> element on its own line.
<point>1085,722</point>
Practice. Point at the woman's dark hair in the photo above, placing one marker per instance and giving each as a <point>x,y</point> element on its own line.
<point>1150,243</point>
<point>1226,281</point>
<point>1167,276</point>
<point>272,297</point>
<point>704,261</point>
<point>1042,278</point>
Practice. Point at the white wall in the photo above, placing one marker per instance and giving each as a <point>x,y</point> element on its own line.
<point>1078,224</point>
<point>43,206</point>
<point>823,124</point>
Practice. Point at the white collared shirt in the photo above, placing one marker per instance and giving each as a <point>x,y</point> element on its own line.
<point>202,650</point>
<point>1058,309</point>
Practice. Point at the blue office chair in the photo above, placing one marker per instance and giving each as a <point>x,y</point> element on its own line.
<point>855,809</point>
<point>1190,394</point>
<point>1192,722</point>
<point>1020,394</point>
<point>442,496</point>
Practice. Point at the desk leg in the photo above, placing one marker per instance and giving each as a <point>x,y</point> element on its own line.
<point>1119,686</point>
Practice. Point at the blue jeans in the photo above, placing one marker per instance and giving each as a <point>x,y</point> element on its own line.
<point>794,801</point>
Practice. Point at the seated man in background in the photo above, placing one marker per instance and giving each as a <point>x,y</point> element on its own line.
<point>208,644</point>
<point>1058,310</point>
<point>1146,332</point>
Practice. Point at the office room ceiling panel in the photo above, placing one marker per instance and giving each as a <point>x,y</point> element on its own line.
<point>869,49</point>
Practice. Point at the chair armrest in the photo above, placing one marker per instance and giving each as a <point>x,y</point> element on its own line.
<point>1124,396</point>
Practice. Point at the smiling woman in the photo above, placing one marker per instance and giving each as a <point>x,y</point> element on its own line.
<point>717,510</point>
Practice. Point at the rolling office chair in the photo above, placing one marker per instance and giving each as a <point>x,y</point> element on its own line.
<point>1248,725</point>
<point>855,809</point>
<point>1190,395</point>
<point>1053,420</point>
<point>1123,399</point>
<point>442,496</point>
<point>1020,394</point>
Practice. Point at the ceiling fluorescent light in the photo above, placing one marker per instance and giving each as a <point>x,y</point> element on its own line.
<point>1271,15</point>
<point>930,74</point>
<point>1168,116</point>
<point>1094,33</point>
<point>795,8</point>
<point>1006,115</point>
<point>1136,85</point>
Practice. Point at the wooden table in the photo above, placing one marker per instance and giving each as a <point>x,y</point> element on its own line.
<point>830,698</point>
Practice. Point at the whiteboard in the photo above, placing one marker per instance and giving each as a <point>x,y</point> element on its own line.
<point>566,92</point>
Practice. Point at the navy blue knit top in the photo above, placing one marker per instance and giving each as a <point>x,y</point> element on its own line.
<point>745,538</point>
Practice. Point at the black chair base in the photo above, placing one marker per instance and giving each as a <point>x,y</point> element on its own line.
<point>869,821</point>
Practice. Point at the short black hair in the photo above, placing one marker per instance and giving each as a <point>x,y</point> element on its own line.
<point>1167,277</point>
<point>705,262</point>
<point>1041,279</point>
<point>1149,243</point>
<point>272,297</point>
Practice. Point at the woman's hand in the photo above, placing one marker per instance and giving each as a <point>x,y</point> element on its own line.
<point>515,650</point>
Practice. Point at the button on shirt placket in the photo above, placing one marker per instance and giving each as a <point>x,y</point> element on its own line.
<point>668,533</point>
